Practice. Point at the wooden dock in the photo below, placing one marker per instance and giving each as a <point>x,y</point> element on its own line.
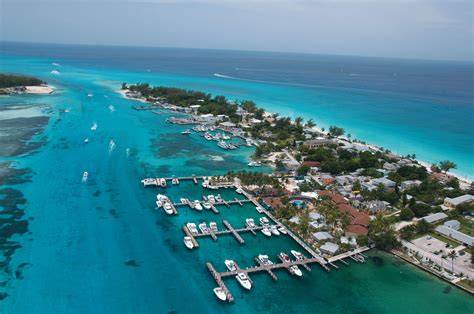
<point>189,234</point>
<point>349,254</point>
<point>220,282</point>
<point>232,230</point>
<point>269,271</point>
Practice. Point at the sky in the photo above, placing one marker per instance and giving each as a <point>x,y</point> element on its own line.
<point>421,29</point>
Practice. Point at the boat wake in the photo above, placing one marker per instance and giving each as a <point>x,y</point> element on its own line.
<point>111,146</point>
<point>55,72</point>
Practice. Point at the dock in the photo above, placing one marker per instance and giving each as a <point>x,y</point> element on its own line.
<point>268,270</point>
<point>234,233</point>
<point>220,282</point>
<point>349,254</point>
<point>189,234</point>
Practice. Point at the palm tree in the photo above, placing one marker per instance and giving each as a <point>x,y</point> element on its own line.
<point>298,121</point>
<point>452,255</point>
<point>445,165</point>
<point>310,123</point>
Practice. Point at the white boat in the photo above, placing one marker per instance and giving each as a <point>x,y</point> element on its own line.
<point>197,205</point>
<point>203,227</point>
<point>186,132</point>
<point>283,230</point>
<point>111,146</point>
<point>55,72</point>
<point>206,205</point>
<point>183,200</point>
<point>220,293</point>
<point>148,181</point>
<point>222,144</point>
<point>90,95</point>
<point>264,221</point>
<point>250,223</point>
<point>274,230</point>
<point>254,164</point>
<point>85,175</point>
<point>188,242</point>
<point>213,226</point>
<point>244,280</point>
<point>284,257</point>
<point>86,140</point>
<point>264,259</point>
<point>163,182</point>
<point>94,126</point>
<point>161,199</point>
<point>111,108</point>
<point>192,227</point>
<point>219,198</point>
<point>297,255</point>
<point>211,199</point>
<point>239,190</point>
<point>266,232</point>
<point>230,264</point>
<point>168,208</point>
<point>294,270</point>
<point>259,209</point>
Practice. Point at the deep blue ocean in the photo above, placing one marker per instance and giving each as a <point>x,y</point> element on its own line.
<point>99,246</point>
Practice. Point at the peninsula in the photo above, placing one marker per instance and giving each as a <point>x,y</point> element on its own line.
<point>19,84</point>
<point>337,193</point>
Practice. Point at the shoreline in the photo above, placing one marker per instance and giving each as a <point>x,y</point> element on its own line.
<point>462,178</point>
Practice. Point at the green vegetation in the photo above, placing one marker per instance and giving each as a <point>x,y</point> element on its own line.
<point>336,131</point>
<point>382,234</point>
<point>446,165</point>
<point>10,80</point>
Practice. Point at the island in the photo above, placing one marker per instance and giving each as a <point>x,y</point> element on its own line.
<point>20,84</point>
<point>338,194</point>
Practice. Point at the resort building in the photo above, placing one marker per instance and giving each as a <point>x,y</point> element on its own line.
<point>455,235</point>
<point>453,224</point>
<point>409,184</point>
<point>436,217</point>
<point>329,248</point>
<point>322,235</point>
<point>454,202</point>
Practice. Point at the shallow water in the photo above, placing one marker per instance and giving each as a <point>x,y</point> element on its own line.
<point>101,247</point>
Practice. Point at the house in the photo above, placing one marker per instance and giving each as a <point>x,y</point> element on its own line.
<point>208,118</point>
<point>436,217</point>
<point>322,235</point>
<point>460,200</point>
<point>319,142</point>
<point>390,167</point>
<point>376,206</point>
<point>311,164</point>
<point>387,183</point>
<point>195,108</point>
<point>408,184</point>
<point>329,248</point>
<point>254,121</point>
<point>295,220</point>
<point>241,111</point>
<point>453,224</point>
<point>455,235</point>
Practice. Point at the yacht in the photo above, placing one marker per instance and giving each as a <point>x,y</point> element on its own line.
<point>213,226</point>
<point>86,140</point>
<point>168,208</point>
<point>222,144</point>
<point>111,146</point>
<point>192,227</point>
<point>183,200</point>
<point>175,181</point>
<point>211,199</point>
<point>282,230</point>
<point>254,164</point>
<point>285,258</point>
<point>294,270</point>
<point>161,199</point>
<point>186,132</point>
<point>264,259</point>
<point>259,209</point>
<point>208,136</point>
<point>230,264</point>
<point>250,223</point>
<point>206,205</point>
<point>264,221</point>
<point>220,293</point>
<point>274,230</point>
<point>163,182</point>
<point>297,255</point>
<point>94,126</point>
<point>197,205</point>
<point>266,232</point>
<point>148,181</point>
<point>188,242</point>
<point>203,227</point>
<point>85,175</point>
<point>244,280</point>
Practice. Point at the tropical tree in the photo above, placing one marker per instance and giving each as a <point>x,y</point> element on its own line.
<point>336,131</point>
<point>452,255</point>
<point>446,165</point>
<point>298,121</point>
<point>310,123</point>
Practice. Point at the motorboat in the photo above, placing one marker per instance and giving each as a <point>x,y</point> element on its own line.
<point>211,199</point>
<point>111,108</point>
<point>220,293</point>
<point>285,258</point>
<point>183,200</point>
<point>213,226</point>
<point>186,132</point>
<point>188,242</point>
<point>168,208</point>
<point>230,264</point>
<point>266,232</point>
<point>250,223</point>
<point>175,181</point>
<point>192,227</point>
<point>264,259</point>
<point>203,227</point>
<point>163,182</point>
<point>297,255</point>
<point>294,270</point>
<point>161,199</point>
<point>148,181</point>
<point>197,205</point>
<point>264,221</point>
<point>94,126</point>
<point>254,164</point>
<point>206,205</point>
<point>274,230</point>
<point>85,175</point>
<point>244,280</point>
<point>259,209</point>
<point>282,230</point>
<point>86,140</point>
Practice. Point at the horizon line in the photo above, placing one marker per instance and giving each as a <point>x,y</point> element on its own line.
<point>470,61</point>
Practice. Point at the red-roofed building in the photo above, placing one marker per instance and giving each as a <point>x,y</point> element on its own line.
<point>311,164</point>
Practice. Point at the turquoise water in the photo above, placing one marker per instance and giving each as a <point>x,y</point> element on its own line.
<point>100,247</point>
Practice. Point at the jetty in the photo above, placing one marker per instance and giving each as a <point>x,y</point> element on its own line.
<point>348,254</point>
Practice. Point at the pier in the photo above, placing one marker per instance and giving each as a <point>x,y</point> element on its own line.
<point>213,205</point>
<point>220,282</point>
<point>349,254</point>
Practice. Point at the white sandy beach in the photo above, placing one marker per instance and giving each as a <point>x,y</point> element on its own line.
<point>39,90</point>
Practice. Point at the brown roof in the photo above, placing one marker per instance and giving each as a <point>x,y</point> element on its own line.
<point>356,229</point>
<point>310,163</point>
<point>336,198</point>
<point>274,202</point>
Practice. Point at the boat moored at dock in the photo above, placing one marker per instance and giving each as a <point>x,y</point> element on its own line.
<point>244,281</point>
<point>220,293</point>
<point>230,264</point>
<point>188,242</point>
<point>266,232</point>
